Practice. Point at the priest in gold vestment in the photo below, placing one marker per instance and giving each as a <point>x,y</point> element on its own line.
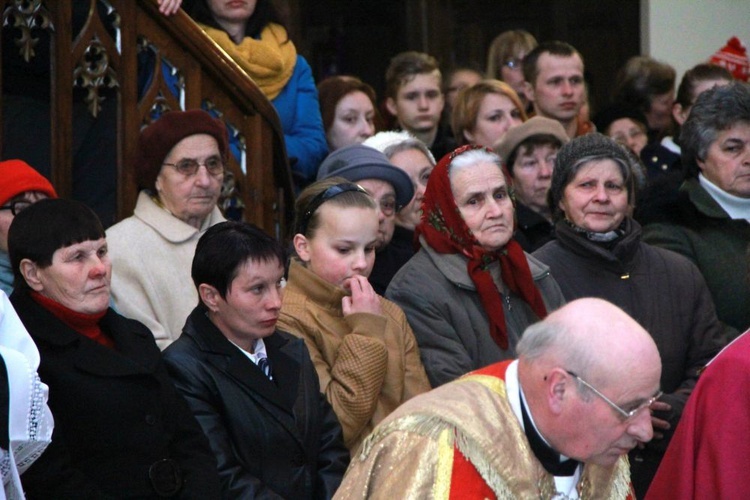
<point>557,423</point>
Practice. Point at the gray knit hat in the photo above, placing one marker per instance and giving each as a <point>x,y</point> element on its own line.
<point>590,147</point>
<point>357,162</point>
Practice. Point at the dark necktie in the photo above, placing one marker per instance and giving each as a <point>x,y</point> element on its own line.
<point>265,366</point>
<point>549,458</point>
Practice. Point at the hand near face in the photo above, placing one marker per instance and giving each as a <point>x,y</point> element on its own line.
<point>362,299</point>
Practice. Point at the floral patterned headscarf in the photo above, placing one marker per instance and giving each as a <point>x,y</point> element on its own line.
<point>445,230</point>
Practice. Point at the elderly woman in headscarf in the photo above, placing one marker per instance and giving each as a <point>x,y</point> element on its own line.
<point>121,428</point>
<point>470,291</point>
<point>599,253</point>
<point>180,169</point>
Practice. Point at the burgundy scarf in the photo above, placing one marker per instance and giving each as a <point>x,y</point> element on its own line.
<point>446,232</point>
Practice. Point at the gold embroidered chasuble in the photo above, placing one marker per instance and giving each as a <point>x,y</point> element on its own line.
<point>411,453</point>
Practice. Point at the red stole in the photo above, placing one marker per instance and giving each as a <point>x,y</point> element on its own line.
<point>465,479</point>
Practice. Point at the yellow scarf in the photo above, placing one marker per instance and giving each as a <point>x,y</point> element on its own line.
<point>268,62</point>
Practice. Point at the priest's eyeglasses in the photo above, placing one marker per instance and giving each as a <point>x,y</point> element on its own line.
<point>625,414</point>
<point>189,166</point>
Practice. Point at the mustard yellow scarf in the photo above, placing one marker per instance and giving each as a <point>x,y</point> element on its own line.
<point>268,61</point>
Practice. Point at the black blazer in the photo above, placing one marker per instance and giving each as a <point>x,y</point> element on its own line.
<point>118,419</point>
<point>271,439</point>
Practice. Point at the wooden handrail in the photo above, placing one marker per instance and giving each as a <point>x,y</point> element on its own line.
<point>210,79</point>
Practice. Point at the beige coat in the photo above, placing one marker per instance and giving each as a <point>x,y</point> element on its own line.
<point>151,253</point>
<point>368,364</point>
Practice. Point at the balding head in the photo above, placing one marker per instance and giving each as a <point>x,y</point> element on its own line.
<point>602,345</point>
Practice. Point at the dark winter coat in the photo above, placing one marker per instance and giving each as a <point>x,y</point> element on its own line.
<point>661,290</point>
<point>120,425</point>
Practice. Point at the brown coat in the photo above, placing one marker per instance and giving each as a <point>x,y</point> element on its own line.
<point>367,364</point>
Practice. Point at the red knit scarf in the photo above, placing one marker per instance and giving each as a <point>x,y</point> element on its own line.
<point>85,324</point>
<point>446,232</point>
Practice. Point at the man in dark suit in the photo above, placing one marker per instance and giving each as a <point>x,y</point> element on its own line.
<point>254,389</point>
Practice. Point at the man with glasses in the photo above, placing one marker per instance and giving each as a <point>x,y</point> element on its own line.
<point>391,188</point>
<point>557,422</point>
<point>20,186</point>
<point>180,170</point>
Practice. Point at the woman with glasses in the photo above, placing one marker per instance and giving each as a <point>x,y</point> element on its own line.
<point>361,345</point>
<point>599,253</point>
<point>505,59</point>
<point>408,153</point>
<point>470,290</point>
<point>20,187</point>
<point>179,169</point>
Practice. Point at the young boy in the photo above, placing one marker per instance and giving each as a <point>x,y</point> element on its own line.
<point>414,96</point>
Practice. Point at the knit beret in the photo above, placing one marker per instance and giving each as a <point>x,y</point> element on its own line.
<point>358,162</point>
<point>17,176</point>
<point>537,125</point>
<point>158,139</point>
<point>594,146</point>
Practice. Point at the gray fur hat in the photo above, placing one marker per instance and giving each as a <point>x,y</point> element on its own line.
<point>590,147</point>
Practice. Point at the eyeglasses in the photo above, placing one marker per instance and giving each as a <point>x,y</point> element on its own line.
<point>189,166</point>
<point>514,63</point>
<point>626,415</point>
<point>16,206</point>
<point>387,206</point>
<point>321,198</point>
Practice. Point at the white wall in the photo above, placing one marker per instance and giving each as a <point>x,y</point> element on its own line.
<point>684,33</point>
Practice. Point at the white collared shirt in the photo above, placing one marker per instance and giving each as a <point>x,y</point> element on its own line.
<point>259,351</point>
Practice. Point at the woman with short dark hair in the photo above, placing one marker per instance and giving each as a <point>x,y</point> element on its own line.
<point>253,388</point>
<point>121,428</point>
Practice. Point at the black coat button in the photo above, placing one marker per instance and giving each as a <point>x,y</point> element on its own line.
<point>150,419</point>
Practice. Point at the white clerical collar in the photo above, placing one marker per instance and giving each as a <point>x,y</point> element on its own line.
<point>734,206</point>
<point>514,393</point>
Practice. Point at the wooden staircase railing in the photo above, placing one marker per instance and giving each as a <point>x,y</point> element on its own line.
<point>106,56</point>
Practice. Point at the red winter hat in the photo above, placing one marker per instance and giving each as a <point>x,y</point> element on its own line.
<point>733,56</point>
<point>158,139</point>
<point>20,177</point>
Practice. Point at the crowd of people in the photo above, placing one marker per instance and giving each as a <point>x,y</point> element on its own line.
<point>497,297</point>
